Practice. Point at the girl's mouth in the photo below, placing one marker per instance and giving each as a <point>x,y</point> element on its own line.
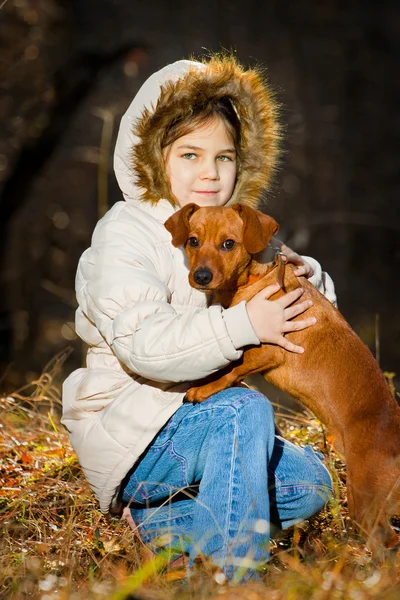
<point>206,193</point>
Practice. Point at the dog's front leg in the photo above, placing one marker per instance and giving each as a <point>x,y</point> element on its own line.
<point>202,392</point>
<point>254,360</point>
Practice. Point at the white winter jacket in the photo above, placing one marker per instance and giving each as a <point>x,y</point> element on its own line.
<point>149,334</point>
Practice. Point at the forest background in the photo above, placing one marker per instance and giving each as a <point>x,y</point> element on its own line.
<point>70,69</point>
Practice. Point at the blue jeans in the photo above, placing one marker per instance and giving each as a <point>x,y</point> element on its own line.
<point>216,476</point>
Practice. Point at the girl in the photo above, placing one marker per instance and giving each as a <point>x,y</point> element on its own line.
<point>198,479</point>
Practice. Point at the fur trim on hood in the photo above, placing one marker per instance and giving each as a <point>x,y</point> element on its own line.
<point>169,95</point>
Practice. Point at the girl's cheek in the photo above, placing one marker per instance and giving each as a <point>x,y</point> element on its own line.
<point>231,178</point>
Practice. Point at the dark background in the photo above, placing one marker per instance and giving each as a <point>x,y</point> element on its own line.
<point>68,71</point>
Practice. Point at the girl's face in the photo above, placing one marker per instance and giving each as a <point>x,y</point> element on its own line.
<point>202,166</point>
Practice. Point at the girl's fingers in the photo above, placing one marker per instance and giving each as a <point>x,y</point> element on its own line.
<point>304,271</point>
<point>290,297</point>
<point>297,309</point>
<point>270,290</point>
<point>284,343</point>
<point>301,271</point>
<point>299,325</point>
<point>295,259</point>
<point>292,256</point>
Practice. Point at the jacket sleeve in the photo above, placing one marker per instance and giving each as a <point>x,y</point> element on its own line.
<point>321,280</point>
<point>121,291</point>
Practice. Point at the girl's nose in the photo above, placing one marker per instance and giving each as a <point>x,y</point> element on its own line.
<point>209,170</point>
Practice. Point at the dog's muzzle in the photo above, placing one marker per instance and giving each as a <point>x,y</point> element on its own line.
<point>202,276</point>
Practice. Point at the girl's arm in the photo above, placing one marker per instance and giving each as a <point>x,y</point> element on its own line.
<point>122,288</point>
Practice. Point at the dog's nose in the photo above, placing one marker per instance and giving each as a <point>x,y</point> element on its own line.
<point>203,276</point>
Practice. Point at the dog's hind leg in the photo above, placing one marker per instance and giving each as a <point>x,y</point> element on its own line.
<point>372,499</point>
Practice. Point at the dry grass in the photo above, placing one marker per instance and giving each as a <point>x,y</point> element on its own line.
<point>55,543</point>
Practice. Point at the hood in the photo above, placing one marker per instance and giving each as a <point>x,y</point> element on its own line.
<point>168,95</point>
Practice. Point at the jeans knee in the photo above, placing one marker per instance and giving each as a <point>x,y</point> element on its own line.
<point>241,400</point>
<point>249,409</point>
<point>254,409</point>
<point>256,401</point>
<point>322,487</point>
<point>255,420</point>
<point>260,405</point>
<point>322,477</point>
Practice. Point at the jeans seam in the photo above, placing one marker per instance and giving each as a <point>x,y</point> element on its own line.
<point>164,520</point>
<point>228,530</point>
<point>182,463</point>
<point>161,488</point>
<point>304,486</point>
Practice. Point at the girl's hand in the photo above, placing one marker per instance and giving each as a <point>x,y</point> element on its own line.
<point>272,319</point>
<point>292,257</point>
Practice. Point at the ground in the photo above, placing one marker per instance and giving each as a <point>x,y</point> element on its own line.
<point>56,544</point>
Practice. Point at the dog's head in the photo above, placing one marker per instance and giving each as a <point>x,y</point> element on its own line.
<point>219,242</point>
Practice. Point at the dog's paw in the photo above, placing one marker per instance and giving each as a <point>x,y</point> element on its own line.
<point>195,395</point>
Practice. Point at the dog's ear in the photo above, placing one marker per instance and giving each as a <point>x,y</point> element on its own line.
<point>178,224</point>
<point>258,228</point>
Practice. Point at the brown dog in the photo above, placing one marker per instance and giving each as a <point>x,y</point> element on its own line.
<point>336,377</point>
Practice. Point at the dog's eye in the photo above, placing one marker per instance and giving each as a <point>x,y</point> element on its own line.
<point>228,245</point>
<point>193,242</point>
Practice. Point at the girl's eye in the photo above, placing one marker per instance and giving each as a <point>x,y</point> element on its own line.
<point>224,158</point>
<point>193,242</point>
<point>189,156</point>
<point>228,245</point>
